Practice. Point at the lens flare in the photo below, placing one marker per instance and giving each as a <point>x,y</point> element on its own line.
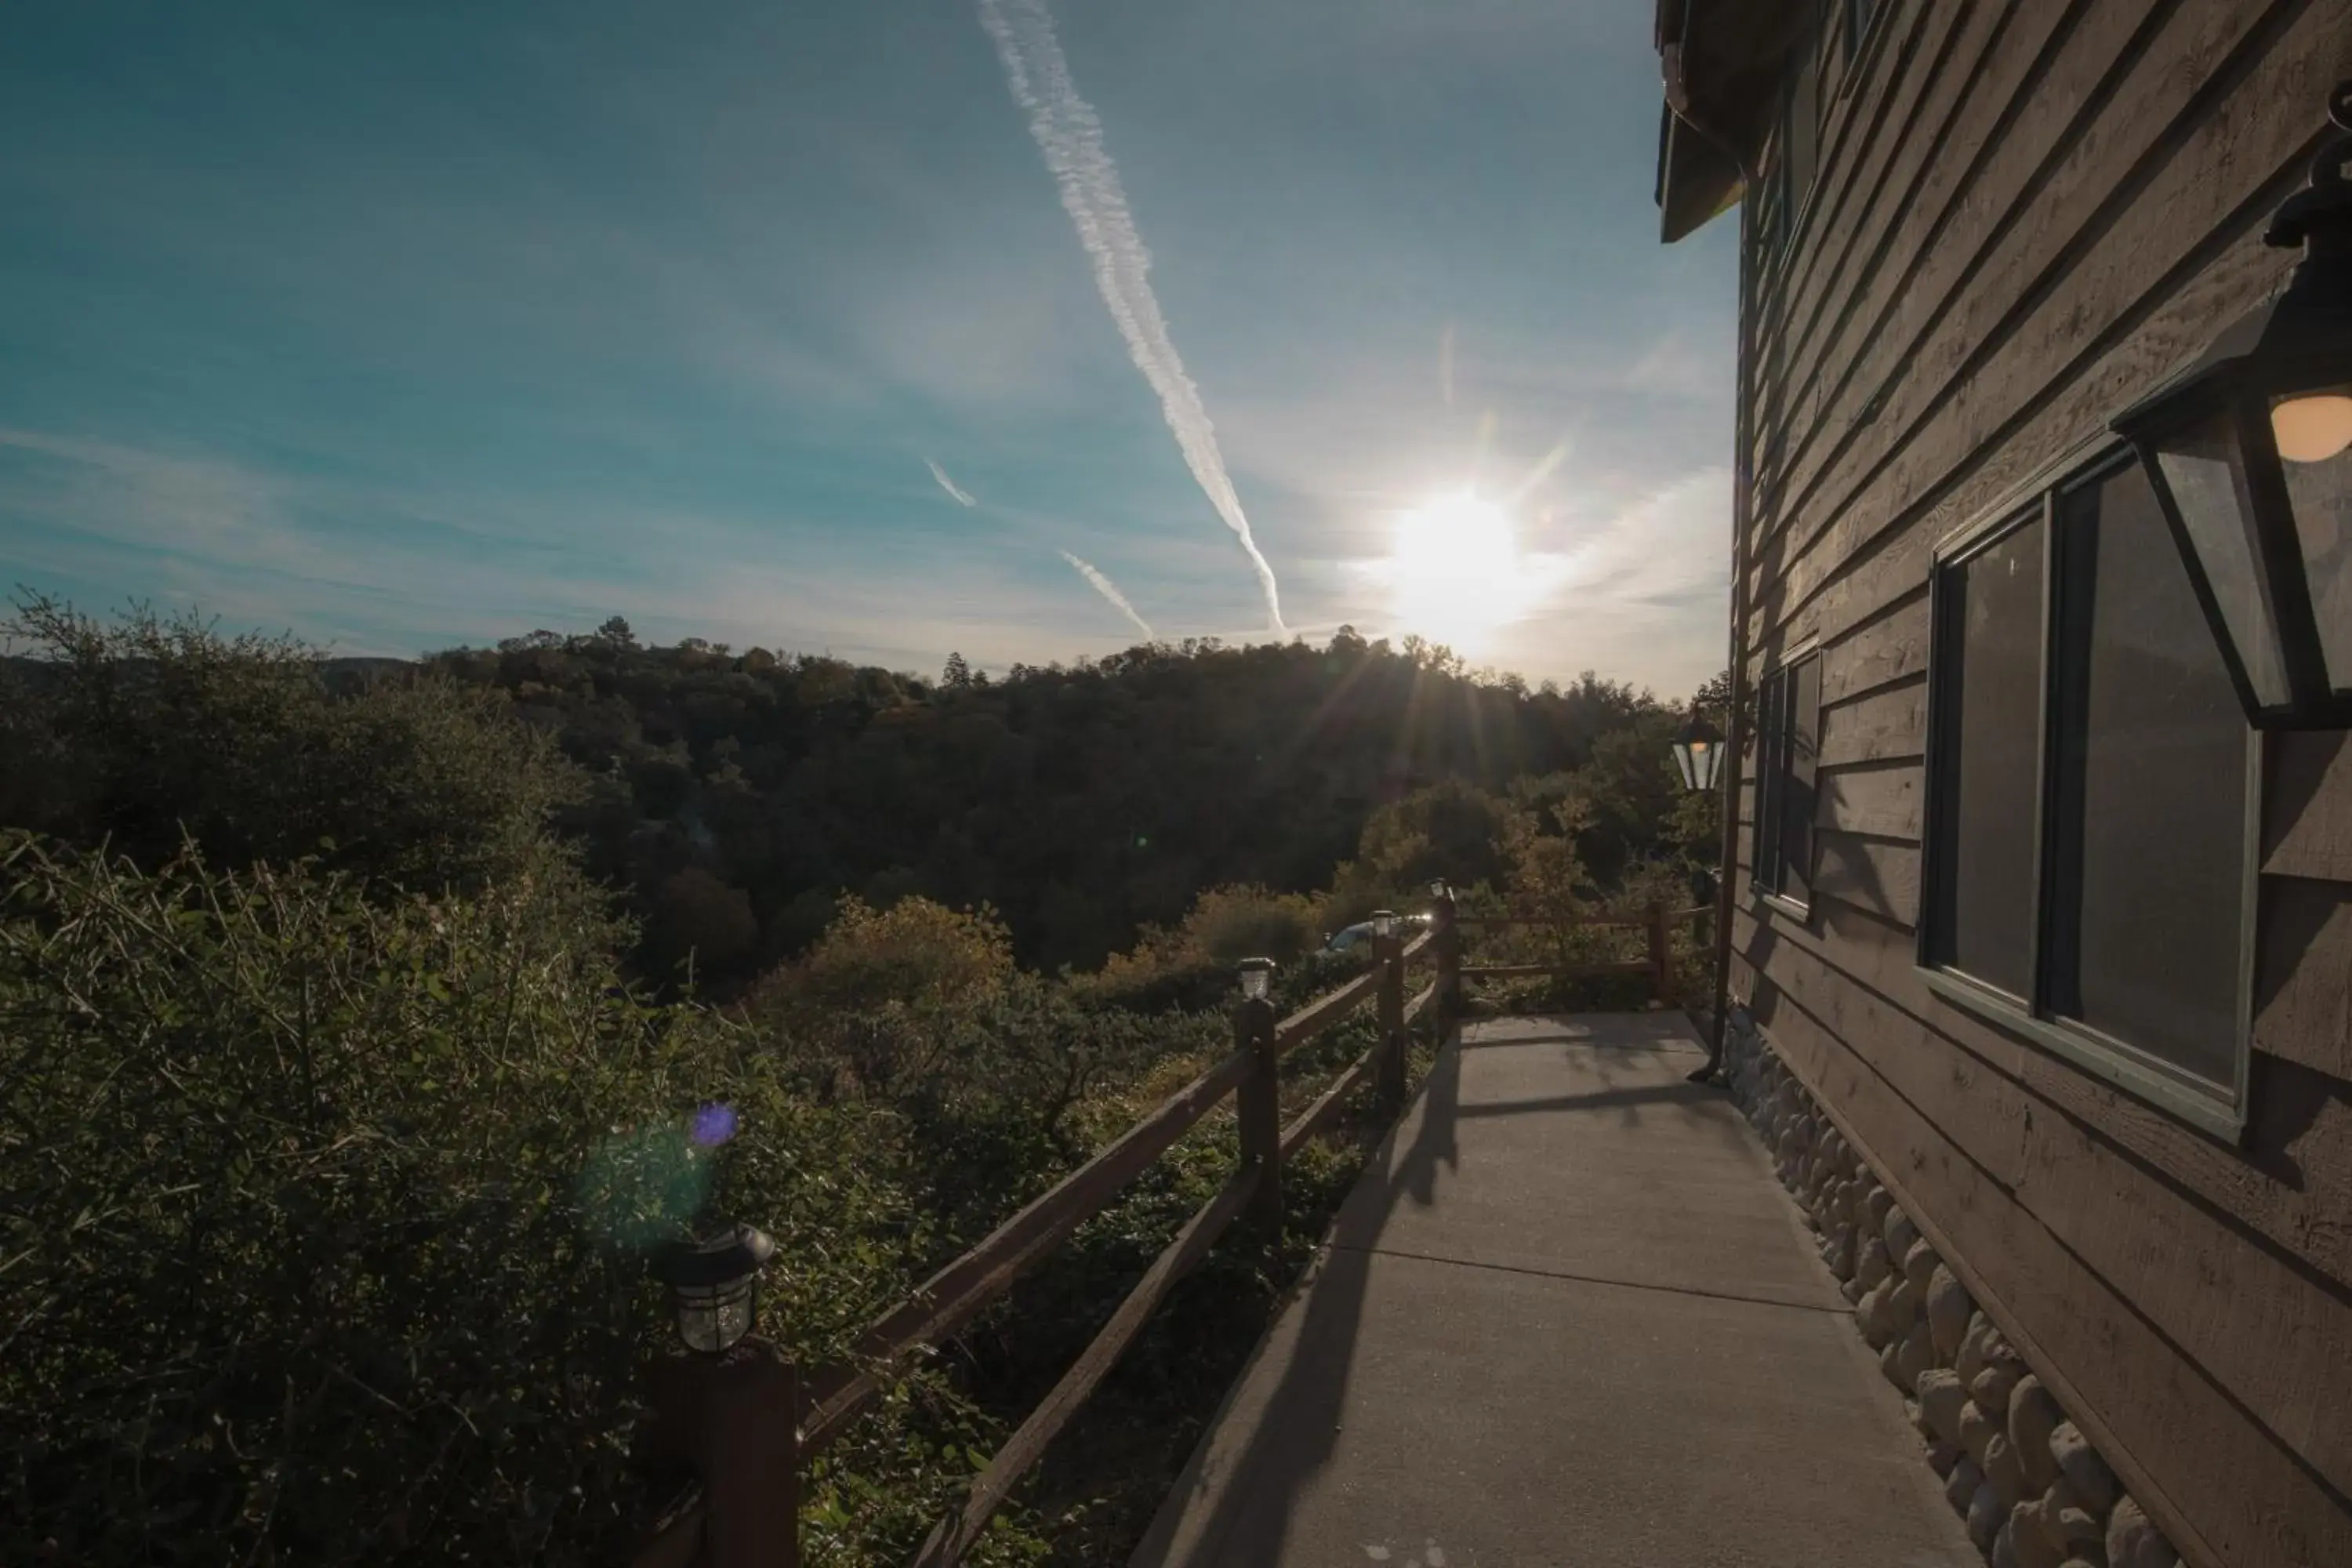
<point>713,1125</point>
<point>644,1186</point>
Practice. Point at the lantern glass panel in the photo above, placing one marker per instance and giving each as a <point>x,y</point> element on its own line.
<point>1683,760</point>
<point>2204,468</point>
<point>1255,978</point>
<point>1704,757</point>
<point>2320,491</point>
<point>712,1318</point>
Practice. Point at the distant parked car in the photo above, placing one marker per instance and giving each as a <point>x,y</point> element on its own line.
<point>1340,940</point>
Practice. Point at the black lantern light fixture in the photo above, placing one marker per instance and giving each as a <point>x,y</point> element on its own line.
<point>1698,755</point>
<point>714,1285</point>
<point>1257,977</point>
<point>1384,924</point>
<point>2250,450</point>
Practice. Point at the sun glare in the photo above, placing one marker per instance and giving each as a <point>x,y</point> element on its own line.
<point>1457,573</point>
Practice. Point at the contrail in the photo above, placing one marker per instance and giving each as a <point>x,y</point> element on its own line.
<point>962,495</point>
<point>1109,590</point>
<point>1070,135</point>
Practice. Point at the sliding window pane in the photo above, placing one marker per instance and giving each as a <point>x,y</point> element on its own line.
<point>1771,748</point>
<point>2148,853</point>
<point>1987,669</point>
<point>1797,798</point>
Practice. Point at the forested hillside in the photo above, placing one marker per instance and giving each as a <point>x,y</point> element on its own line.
<point>341,1098</point>
<point>738,793</point>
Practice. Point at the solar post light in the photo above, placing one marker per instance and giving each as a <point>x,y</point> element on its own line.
<point>714,1284</point>
<point>1257,974</point>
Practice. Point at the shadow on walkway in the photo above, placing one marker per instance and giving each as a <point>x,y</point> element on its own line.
<point>1323,1319</point>
<point>1566,1316</point>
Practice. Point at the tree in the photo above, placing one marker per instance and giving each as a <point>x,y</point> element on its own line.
<point>702,921</point>
<point>957,675</point>
<point>147,733</point>
<point>615,634</point>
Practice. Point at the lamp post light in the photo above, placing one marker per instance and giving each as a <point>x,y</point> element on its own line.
<point>1439,891</point>
<point>714,1284</point>
<point>2250,450</point>
<point>1257,974</point>
<point>1384,924</point>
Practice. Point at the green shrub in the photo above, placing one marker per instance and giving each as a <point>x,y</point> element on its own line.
<point>148,731</point>
<point>916,954</point>
<point>321,1218</point>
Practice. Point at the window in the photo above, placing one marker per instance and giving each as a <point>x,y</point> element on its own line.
<point>1859,14</point>
<point>2090,789</point>
<point>1790,159</point>
<point>2149,810</point>
<point>1988,614</point>
<point>1787,728</point>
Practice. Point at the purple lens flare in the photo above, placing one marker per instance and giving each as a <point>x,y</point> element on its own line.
<point>713,1125</point>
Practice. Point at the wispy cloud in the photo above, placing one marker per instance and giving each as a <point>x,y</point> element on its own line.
<point>1109,590</point>
<point>961,496</point>
<point>1069,133</point>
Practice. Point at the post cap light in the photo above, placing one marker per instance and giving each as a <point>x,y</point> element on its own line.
<point>1438,889</point>
<point>1384,924</point>
<point>1257,974</point>
<point>714,1284</point>
<point>2250,450</point>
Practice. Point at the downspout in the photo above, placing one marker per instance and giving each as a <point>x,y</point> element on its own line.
<point>1736,726</point>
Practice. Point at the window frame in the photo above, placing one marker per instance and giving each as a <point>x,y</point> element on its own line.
<point>2133,1068</point>
<point>1858,44</point>
<point>1782,673</point>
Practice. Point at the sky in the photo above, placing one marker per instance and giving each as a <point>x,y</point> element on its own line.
<point>1006,327</point>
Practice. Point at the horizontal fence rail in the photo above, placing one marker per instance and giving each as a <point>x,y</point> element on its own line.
<point>821,1404</point>
<point>1657,963</point>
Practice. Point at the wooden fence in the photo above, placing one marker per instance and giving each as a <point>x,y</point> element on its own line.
<point>1657,962</point>
<point>748,1424</point>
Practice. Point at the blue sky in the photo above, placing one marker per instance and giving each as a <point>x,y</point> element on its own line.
<point>404,326</point>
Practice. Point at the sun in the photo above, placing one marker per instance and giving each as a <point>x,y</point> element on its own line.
<point>1457,572</point>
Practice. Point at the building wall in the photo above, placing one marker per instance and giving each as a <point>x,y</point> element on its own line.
<point>2026,212</point>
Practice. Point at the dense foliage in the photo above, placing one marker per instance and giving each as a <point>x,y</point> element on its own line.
<point>738,794</point>
<point>337,1116</point>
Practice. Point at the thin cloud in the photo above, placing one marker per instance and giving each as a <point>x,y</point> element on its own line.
<point>1109,590</point>
<point>961,496</point>
<point>1069,133</point>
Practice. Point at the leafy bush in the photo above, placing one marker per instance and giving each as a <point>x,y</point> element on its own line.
<point>149,730</point>
<point>321,1216</point>
<point>915,953</point>
<point>1229,924</point>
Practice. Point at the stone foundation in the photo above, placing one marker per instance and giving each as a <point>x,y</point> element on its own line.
<point>2033,1492</point>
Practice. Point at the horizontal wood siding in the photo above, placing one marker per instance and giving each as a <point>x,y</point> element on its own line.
<point>2309,815</point>
<point>2037,210</point>
<point>2302,992</point>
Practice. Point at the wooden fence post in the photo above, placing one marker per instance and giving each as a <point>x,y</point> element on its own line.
<point>1389,951</point>
<point>752,1474</point>
<point>1662,954</point>
<point>1448,944</point>
<point>1258,1099</point>
<point>735,1419</point>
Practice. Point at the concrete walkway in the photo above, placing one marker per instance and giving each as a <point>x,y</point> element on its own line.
<point>1567,1317</point>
